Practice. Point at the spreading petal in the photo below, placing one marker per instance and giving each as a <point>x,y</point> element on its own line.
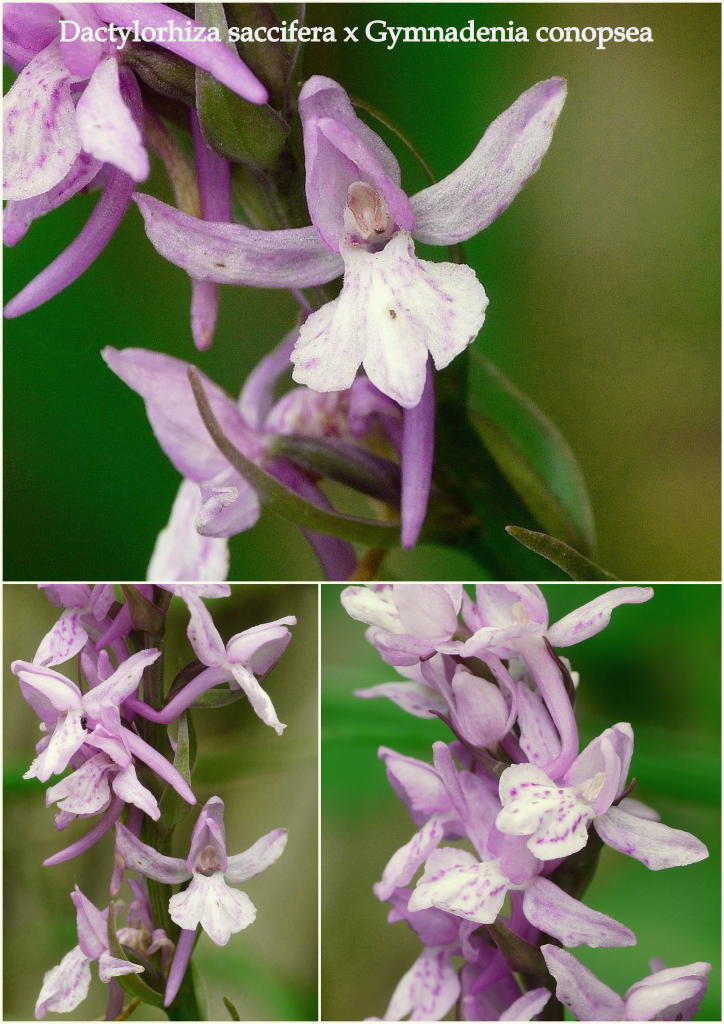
<point>428,990</point>
<point>655,845</point>
<point>210,902</point>
<point>673,993</point>
<point>213,56</point>
<point>393,310</point>
<point>140,857</point>
<point>128,788</point>
<point>181,552</point>
<point>40,137</point>
<point>20,213</point>
<point>258,857</point>
<point>456,882</point>
<point>403,864</point>
<point>580,990</point>
<point>594,616</point>
<point>234,254</point>
<point>113,967</point>
<point>68,736</point>
<point>414,698</point>
<point>258,697</point>
<point>260,647</point>
<point>528,1006</point>
<point>554,817</point>
<point>107,128</point>
<point>572,922</point>
<point>121,684</point>
<point>203,634</point>
<point>84,791</point>
<point>64,986</point>
<point>163,383</point>
<point>485,184</point>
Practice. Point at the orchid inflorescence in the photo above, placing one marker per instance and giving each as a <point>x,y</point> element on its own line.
<point>127,770</point>
<point>252,159</point>
<point>533,809</point>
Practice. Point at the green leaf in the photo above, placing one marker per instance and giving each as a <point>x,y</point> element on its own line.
<point>233,1012</point>
<point>519,954</point>
<point>173,807</point>
<point>131,983</point>
<point>243,132</point>
<point>531,453</point>
<point>572,562</point>
<point>218,697</point>
<point>285,502</point>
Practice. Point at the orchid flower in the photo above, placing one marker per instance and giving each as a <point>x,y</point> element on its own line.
<point>208,901</point>
<point>407,621</point>
<point>66,986</point>
<point>672,993</point>
<point>87,790</point>
<point>63,708</point>
<point>254,650</point>
<point>73,119</point>
<point>222,503</point>
<point>363,226</point>
<point>556,817</point>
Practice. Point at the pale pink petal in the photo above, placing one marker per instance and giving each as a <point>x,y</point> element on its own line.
<point>229,505</point>
<point>654,844</point>
<point>258,697</point>
<point>480,711</point>
<point>121,684</point>
<point>591,618</point>
<point>107,128</point>
<point>428,990</point>
<point>403,864</point>
<point>40,137</point>
<point>181,552</point>
<point>372,605</point>
<point>234,254</point>
<point>47,692</point>
<point>68,736</point>
<point>64,641</point>
<point>84,791</point>
<point>113,967</point>
<point>456,882</point>
<point>91,925</point>
<point>427,611</point>
<point>20,213</point>
<point>673,993</point>
<point>417,784</point>
<point>392,311</point>
<point>265,852</point>
<point>65,986</point>
<point>140,857</point>
<point>415,698</point>
<point>572,922</point>
<point>528,1006</point>
<point>579,989</point>
<point>210,902</point>
<point>260,647</point>
<point>203,635</point>
<point>485,184</point>
<point>129,789</point>
<point>555,817</point>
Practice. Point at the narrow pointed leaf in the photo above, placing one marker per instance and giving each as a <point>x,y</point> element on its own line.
<point>133,984</point>
<point>572,562</point>
<point>173,807</point>
<point>531,453</point>
<point>285,502</point>
<point>233,1012</point>
<point>519,954</point>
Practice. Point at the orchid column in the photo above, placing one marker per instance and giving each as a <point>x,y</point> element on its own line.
<point>178,792</point>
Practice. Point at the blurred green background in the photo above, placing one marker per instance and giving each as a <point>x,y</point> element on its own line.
<point>268,971</point>
<point>657,666</point>
<point>603,280</point>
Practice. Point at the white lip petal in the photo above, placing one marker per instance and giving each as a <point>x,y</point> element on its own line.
<point>210,902</point>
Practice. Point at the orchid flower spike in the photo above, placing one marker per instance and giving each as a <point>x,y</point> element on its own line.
<point>66,986</point>
<point>394,310</point>
<point>208,901</point>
